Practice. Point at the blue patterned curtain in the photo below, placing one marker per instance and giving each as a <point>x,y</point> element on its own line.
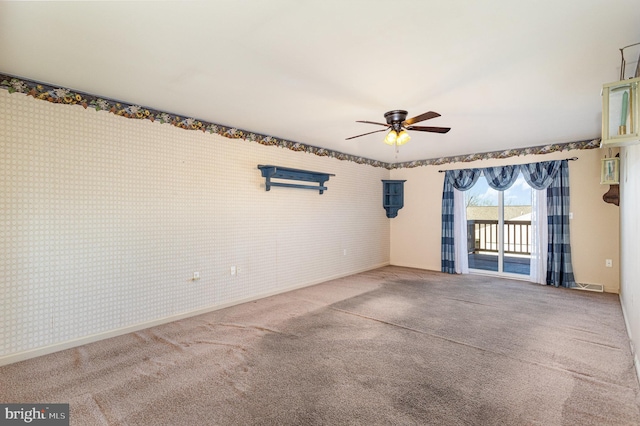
<point>540,175</point>
<point>559,267</point>
<point>501,178</point>
<point>460,180</point>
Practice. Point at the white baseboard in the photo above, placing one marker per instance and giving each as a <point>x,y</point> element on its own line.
<point>634,352</point>
<point>44,350</point>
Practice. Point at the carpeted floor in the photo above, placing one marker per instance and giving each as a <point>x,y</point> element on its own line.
<point>390,346</point>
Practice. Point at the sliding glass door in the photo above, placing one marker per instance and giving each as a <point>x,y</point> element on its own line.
<point>499,228</point>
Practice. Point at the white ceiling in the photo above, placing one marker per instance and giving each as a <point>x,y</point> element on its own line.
<point>503,73</point>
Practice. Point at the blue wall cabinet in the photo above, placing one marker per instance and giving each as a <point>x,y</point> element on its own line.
<point>392,196</point>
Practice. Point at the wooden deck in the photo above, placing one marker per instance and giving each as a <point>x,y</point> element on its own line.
<point>489,262</point>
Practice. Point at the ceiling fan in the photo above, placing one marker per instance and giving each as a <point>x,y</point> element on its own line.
<point>399,124</point>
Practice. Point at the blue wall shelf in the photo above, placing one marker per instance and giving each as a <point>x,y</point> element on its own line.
<point>392,196</point>
<point>277,172</point>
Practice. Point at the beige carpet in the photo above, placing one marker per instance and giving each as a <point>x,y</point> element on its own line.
<point>391,346</point>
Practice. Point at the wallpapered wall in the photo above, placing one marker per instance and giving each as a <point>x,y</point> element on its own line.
<point>104,220</point>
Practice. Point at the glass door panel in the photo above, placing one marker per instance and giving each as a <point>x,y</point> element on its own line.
<point>483,242</point>
<point>517,228</point>
<point>499,227</point>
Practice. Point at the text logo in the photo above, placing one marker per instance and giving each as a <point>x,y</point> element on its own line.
<point>34,414</point>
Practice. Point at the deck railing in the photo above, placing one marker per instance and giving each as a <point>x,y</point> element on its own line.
<point>482,235</point>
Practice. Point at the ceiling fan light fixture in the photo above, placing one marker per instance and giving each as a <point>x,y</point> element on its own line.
<point>391,138</point>
<point>398,124</point>
<point>403,137</point>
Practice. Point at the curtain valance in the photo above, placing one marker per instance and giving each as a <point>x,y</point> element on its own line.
<point>537,175</point>
<point>540,175</point>
<point>501,178</point>
<point>463,179</point>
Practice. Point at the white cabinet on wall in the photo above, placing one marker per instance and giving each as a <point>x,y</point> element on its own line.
<point>620,113</point>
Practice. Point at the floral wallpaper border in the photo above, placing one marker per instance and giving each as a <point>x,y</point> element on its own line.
<point>71,97</point>
<point>536,150</point>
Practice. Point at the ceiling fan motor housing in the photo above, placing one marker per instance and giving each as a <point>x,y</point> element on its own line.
<point>395,116</point>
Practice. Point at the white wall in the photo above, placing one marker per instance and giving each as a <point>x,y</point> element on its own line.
<point>104,220</point>
<point>415,233</point>
<point>630,247</point>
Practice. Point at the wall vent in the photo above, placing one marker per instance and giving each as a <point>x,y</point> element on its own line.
<point>589,287</point>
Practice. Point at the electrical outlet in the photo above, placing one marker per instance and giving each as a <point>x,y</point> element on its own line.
<point>608,263</point>
<point>234,270</point>
<point>196,276</point>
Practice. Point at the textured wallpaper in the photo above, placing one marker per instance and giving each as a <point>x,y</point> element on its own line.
<point>104,220</point>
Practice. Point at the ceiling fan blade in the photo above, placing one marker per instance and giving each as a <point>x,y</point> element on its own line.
<point>421,117</point>
<point>364,134</point>
<point>429,129</point>
<point>372,122</point>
